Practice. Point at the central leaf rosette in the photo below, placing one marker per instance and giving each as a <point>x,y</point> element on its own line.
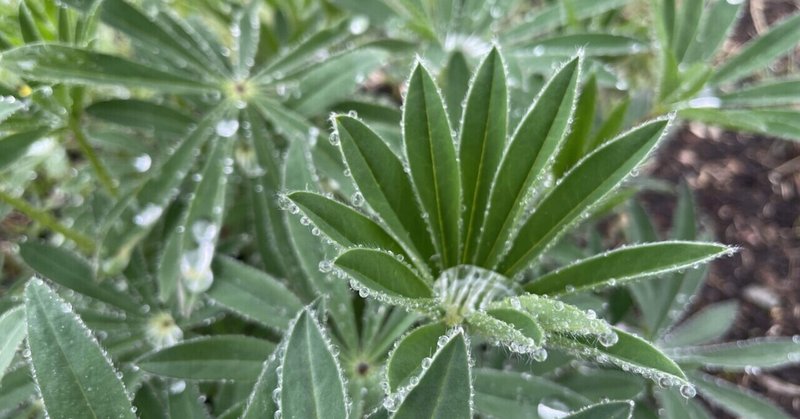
<point>450,224</point>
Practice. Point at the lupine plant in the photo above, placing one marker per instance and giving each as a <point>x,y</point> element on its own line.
<point>196,249</point>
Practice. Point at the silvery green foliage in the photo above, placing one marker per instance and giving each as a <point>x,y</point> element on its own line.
<point>181,289</point>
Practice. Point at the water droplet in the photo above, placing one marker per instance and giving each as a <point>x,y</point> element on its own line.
<point>357,199</point>
<point>177,387</point>
<point>148,215</point>
<point>538,51</point>
<point>358,24</point>
<point>142,163</point>
<point>426,362</point>
<point>325,266</point>
<point>227,128</point>
<point>688,391</point>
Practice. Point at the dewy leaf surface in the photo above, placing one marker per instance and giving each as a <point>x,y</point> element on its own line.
<point>12,329</point>
<point>445,389</point>
<point>432,160</point>
<point>219,357</point>
<point>483,137</point>
<point>65,64</point>
<point>407,357</point>
<point>311,381</point>
<point>535,140</point>
<point>625,264</point>
<point>580,189</point>
<point>75,377</point>
<point>383,273</point>
<point>383,183</point>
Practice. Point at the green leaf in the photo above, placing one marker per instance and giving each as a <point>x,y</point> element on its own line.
<point>260,404</point>
<point>13,329</point>
<point>576,143</point>
<point>65,64</point>
<point>432,160</point>
<point>761,51</point>
<point>455,79</point>
<point>709,324</point>
<point>609,410</point>
<point>383,273</point>
<point>686,26</point>
<point>580,189</point>
<point>716,23</point>
<point>483,137</point>
<point>153,35</point>
<point>555,316</point>
<point>311,381</point>
<point>625,264</point>
<point>592,44</point>
<point>139,114</point>
<point>617,385</point>
<point>383,183</point>
<point>9,105</point>
<point>342,224</point>
<point>334,79</point>
<point>521,321</point>
<point>744,354</point>
<point>611,126</point>
<point>678,407</point>
<point>247,43</point>
<point>299,173</point>
<point>514,395</point>
<point>550,16</point>
<point>74,375</point>
<point>629,352</point>
<point>784,123</point>
<point>770,93</point>
<point>445,388</point>
<point>252,294</point>
<point>16,387</point>
<point>27,24</point>
<point>69,270</point>
<point>533,143</point>
<point>186,403</point>
<point>219,357</point>
<point>16,145</point>
<point>407,357</point>
<point>735,400</point>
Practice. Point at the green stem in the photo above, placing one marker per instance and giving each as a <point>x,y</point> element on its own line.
<point>102,173</point>
<point>84,242</point>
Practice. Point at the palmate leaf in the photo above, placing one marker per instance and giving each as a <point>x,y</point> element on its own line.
<point>526,158</point>
<point>260,403</point>
<point>432,160</point>
<point>443,390</point>
<point>584,185</point>
<point>625,264</point>
<point>74,375</point>
<point>218,357</point>
<point>384,274</point>
<point>407,357</point>
<point>311,380</point>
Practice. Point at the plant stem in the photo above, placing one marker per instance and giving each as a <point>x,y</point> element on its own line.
<point>102,173</point>
<point>84,242</point>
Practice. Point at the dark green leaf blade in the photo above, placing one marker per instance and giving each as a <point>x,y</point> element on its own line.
<point>768,353</point>
<point>580,189</point>
<point>383,273</point>
<point>65,64</point>
<point>445,388</point>
<point>219,357</point>
<point>626,264</point>
<point>432,161</point>
<point>75,377</point>
<point>607,410</point>
<point>69,270</point>
<point>761,51</point>
<point>736,400</point>
<point>707,325</point>
<point>535,140</point>
<point>312,383</point>
<point>383,183</point>
<point>407,357</point>
<point>483,137</point>
<point>15,145</point>
<point>13,329</point>
<point>342,224</point>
